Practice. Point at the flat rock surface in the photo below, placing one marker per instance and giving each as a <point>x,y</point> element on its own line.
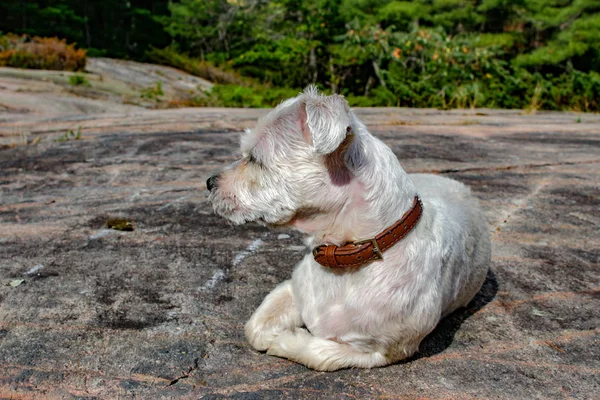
<point>158,312</point>
<point>107,86</point>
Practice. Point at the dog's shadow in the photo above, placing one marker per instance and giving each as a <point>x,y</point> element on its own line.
<point>443,335</point>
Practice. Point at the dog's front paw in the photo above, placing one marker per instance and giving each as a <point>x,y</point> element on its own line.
<point>260,335</point>
<point>276,313</point>
<point>287,343</point>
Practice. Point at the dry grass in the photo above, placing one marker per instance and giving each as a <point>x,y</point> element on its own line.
<point>40,53</point>
<point>401,122</point>
<point>19,138</point>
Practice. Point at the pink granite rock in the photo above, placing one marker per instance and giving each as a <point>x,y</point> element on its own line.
<point>159,311</point>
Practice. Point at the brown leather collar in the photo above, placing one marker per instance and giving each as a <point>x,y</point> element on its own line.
<point>355,254</point>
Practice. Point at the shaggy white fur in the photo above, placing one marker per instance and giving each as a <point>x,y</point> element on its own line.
<point>312,165</point>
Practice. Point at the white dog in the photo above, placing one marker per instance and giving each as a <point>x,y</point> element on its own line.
<point>312,165</point>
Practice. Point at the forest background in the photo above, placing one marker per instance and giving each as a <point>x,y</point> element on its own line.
<point>524,54</point>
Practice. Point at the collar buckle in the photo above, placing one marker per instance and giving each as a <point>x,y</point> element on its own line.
<point>376,249</point>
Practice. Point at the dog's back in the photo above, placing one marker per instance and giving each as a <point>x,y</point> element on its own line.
<point>460,210</point>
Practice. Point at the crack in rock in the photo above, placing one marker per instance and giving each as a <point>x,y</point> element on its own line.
<point>185,375</point>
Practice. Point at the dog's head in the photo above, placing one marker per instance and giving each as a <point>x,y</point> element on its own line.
<point>295,164</point>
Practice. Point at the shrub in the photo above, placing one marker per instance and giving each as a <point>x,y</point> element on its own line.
<point>379,97</point>
<point>244,96</point>
<point>78,80</point>
<point>40,53</point>
<point>202,69</point>
<point>428,68</point>
<point>231,89</point>
<point>153,92</point>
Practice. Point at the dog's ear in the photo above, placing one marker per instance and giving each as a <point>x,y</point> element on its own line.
<point>325,120</point>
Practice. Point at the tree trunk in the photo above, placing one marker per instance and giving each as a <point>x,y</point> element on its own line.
<point>86,24</point>
<point>378,74</point>
<point>368,86</point>
<point>313,64</point>
<point>333,78</point>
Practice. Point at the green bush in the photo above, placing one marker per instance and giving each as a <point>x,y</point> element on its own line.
<point>78,80</point>
<point>153,92</point>
<point>379,97</point>
<point>244,96</point>
<point>418,53</point>
<point>428,68</point>
<point>422,53</point>
<point>231,90</point>
<point>202,69</point>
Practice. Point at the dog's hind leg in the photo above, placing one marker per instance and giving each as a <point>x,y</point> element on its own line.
<point>277,313</point>
<point>321,354</point>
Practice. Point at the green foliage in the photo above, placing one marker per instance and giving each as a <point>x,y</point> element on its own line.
<point>423,53</point>
<point>578,39</point>
<point>202,69</point>
<point>115,28</point>
<point>153,92</point>
<point>208,26</point>
<point>503,40</point>
<point>402,14</point>
<point>379,97</point>
<point>244,97</point>
<point>78,80</point>
<point>70,135</point>
<point>529,54</point>
<point>430,67</point>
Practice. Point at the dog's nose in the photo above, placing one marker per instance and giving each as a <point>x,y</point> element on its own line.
<point>211,182</point>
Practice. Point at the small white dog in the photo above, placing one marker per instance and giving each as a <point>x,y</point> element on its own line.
<point>412,248</point>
